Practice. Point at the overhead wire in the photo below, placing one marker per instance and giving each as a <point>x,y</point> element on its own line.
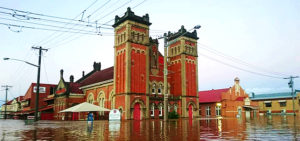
<point>72,27</point>
<point>239,68</point>
<point>238,61</point>
<point>47,25</point>
<point>46,29</point>
<point>67,39</point>
<point>51,37</point>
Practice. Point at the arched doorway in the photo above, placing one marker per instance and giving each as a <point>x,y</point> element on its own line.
<point>190,111</point>
<point>137,111</point>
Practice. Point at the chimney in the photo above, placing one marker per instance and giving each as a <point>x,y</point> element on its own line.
<point>82,73</point>
<point>253,95</point>
<point>61,73</point>
<point>97,66</point>
<point>71,78</point>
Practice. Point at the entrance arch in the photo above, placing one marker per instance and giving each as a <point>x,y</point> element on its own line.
<point>137,111</point>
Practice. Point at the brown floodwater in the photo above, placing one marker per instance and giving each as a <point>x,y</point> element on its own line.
<point>261,128</point>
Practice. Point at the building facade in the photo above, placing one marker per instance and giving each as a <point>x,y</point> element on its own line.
<point>66,95</point>
<point>134,85</point>
<point>277,103</point>
<point>228,102</point>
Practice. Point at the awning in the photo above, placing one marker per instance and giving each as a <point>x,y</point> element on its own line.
<point>281,100</point>
<point>267,101</point>
<point>46,108</point>
<point>85,107</point>
<point>250,107</point>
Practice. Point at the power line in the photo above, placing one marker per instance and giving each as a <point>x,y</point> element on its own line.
<point>99,19</point>
<point>59,27</point>
<point>49,38</point>
<point>253,72</point>
<point>75,17</point>
<point>30,27</point>
<point>236,60</point>
<point>44,15</point>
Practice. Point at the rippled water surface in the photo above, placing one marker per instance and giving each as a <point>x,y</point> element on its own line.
<point>261,128</point>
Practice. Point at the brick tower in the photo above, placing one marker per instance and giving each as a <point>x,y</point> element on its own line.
<point>183,70</point>
<point>131,71</point>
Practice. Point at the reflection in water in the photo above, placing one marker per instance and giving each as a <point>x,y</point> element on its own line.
<point>261,128</point>
<point>89,129</point>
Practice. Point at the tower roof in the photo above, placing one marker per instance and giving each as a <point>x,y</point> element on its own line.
<point>129,15</point>
<point>183,32</point>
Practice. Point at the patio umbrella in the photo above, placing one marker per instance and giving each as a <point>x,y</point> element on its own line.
<point>85,107</point>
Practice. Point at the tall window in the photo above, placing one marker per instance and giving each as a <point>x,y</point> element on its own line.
<point>199,110</point>
<point>159,90</point>
<point>160,110</point>
<point>153,88</point>
<point>208,111</point>
<point>90,99</point>
<point>175,108</point>
<point>152,110</point>
<point>218,111</point>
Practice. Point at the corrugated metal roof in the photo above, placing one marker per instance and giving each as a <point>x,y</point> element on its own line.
<point>272,96</point>
<point>211,95</point>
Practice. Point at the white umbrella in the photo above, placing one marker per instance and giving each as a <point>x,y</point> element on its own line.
<point>85,107</point>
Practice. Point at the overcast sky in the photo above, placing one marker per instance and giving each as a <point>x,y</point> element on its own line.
<point>257,41</point>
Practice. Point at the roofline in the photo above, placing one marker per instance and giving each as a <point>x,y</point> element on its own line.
<point>271,98</point>
<point>95,84</point>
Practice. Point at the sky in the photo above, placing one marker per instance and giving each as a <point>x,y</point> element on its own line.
<point>257,41</point>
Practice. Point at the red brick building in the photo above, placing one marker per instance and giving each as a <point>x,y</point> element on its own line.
<point>66,95</point>
<point>28,102</point>
<point>228,102</point>
<point>135,84</point>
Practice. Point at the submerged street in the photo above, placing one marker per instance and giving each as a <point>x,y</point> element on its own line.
<point>274,127</point>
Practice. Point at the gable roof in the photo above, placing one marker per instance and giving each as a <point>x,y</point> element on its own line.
<point>271,96</point>
<point>211,95</point>
<point>20,98</point>
<point>74,88</point>
<point>241,98</point>
<point>99,76</point>
<point>8,103</point>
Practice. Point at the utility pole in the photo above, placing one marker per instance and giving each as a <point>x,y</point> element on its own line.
<point>291,85</point>
<point>6,89</point>
<point>165,79</point>
<point>38,82</point>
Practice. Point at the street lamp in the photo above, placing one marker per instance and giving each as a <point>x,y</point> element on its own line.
<point>38,84</point>
<point>166,70</point>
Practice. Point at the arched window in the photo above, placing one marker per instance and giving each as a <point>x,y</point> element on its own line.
<point>159,90</point>
<point>90,98</point>
<point>143,37</point>
<point>153,88</point>
<point>152,110</point>
<point>101,100</point>
<point>132,35</point>
<point>160,110</point>
<point>175,108</point>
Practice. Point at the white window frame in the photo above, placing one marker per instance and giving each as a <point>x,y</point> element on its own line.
<point>152,110</point>
<point>207,110</point>
<point>160,110</point>
<point>218,110</point>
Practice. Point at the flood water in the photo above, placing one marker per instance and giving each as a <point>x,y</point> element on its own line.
<point>261,128</point>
